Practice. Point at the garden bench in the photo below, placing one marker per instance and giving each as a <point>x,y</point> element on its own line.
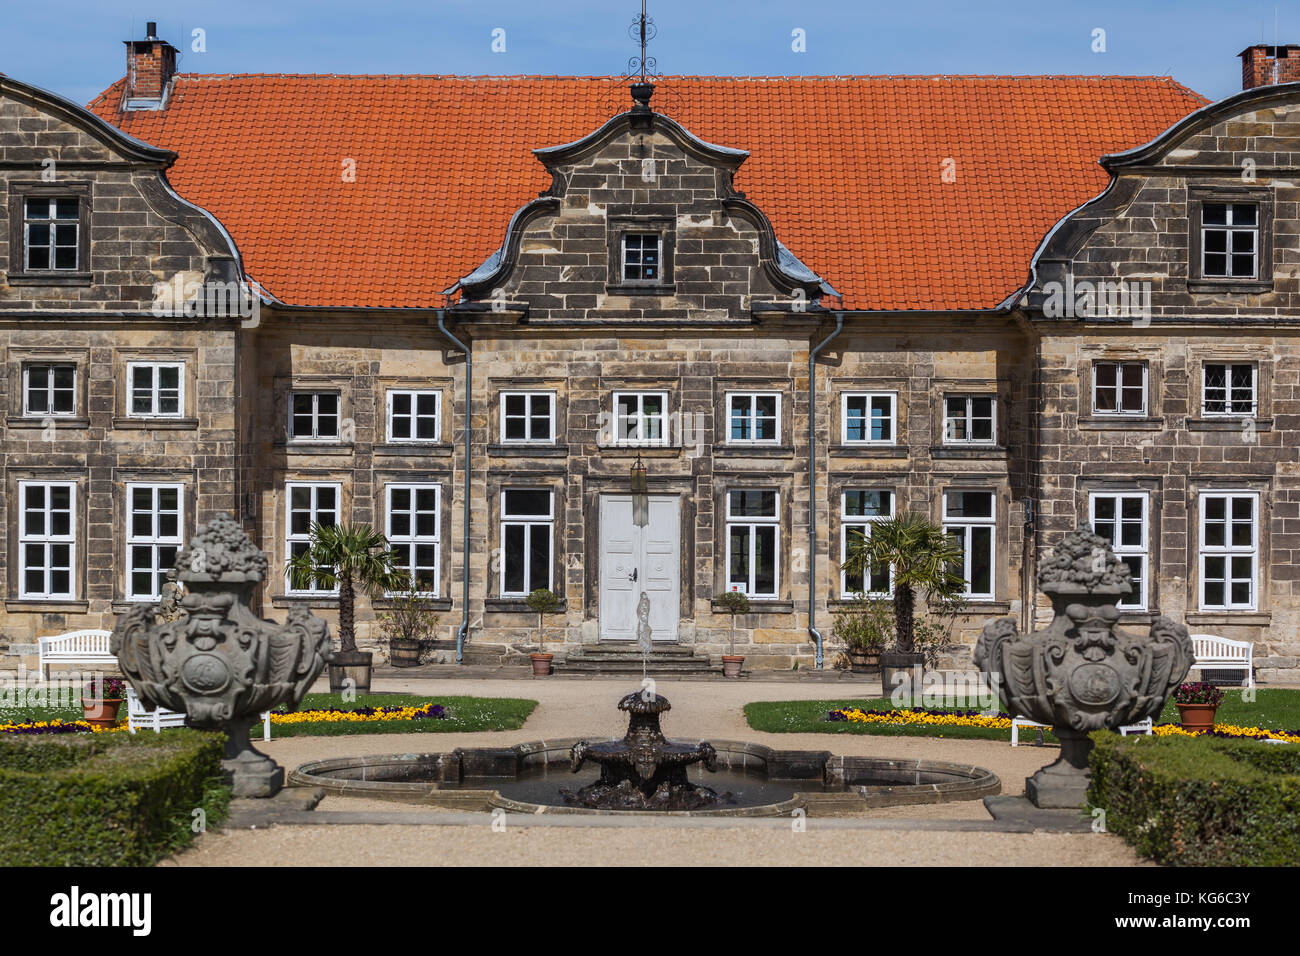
<point>156,720</point>
<point>75,647</point>
<point>1219,653</point>
<point>1141,727</point>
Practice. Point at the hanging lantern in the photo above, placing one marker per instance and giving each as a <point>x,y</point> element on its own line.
<point>640,495</point>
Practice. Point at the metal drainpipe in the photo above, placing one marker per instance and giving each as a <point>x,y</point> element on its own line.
<point>469,392</point>
<point>812,484</point>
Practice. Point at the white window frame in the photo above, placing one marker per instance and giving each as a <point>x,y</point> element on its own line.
<point>753,523</point>
<point>1141,550</point>
<point>753,418</point>
<point>314,438</point>
<point>51,221</point>
<point>1228,550</point>
<point>528,522</point>
<point>623,442</point>
<point>1231,230</point>
<point>415,395</point>
<point>48,540</point>
<point>1119,411</point>
<point>968,418</point>
<point>623,261</point>
<point>967,524</point>
<point>154,540</point>
<point>410,542</point>
<point>49,389</point>
<point>290,539</point>
<point>528,397</point>
<point>1228,366</point>
<point>869,398</point>
<point>864,522</point>
<point>154,396</point>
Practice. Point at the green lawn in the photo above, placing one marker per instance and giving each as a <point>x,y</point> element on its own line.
<point>465,714</point>
<point>1271,710</point>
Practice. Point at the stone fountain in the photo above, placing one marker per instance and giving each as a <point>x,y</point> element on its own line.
<point>217,661</point>
<point>643,771</point>
<point>1082,673</point>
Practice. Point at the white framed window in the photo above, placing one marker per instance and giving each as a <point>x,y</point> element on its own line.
<point>47,540</point>
<point>1229,550</point>
<point>413,415</point>
<point>753,542</point>
<point>641,257</point>
<point>527,532</point>
<point>50,233</point>
<point>641,418</point>
<point>412,527</point>
<point>971,518</point>
<point>1122,519</point>
<point>1229,240</point>
<point>528,417</point>
<point>308,503</point>
<point>154,523</point>
<point>49,388</point>
<point>969,420</point>
<point>1119,388</point>
<point>868,418</point>
<point>1228,388</point>
<point>157,389</point>
<point>314,416</point>
<point>859,510</point>
<point>753,418</point>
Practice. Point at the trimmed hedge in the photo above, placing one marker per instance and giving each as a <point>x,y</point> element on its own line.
<point>109,799</point>
<point>1200,801</point>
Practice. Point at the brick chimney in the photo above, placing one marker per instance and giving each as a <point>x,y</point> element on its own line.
<point>150,65</point>
<point>1263,65</point>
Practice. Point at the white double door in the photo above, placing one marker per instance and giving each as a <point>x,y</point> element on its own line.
<point>636,561</point>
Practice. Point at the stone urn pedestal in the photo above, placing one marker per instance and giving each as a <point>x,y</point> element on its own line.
<point>1082,673</point>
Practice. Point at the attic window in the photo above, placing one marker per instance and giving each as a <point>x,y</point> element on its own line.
<point>1230,239</point>
<point>641,255</point>
<point>641,262</point>
<point>49,234</point>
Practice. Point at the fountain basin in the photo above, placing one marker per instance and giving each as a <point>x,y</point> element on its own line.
<point>529,777</point>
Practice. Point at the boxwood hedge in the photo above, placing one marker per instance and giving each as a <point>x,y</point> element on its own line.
<point>1200,801</point>
<point>111,799</point>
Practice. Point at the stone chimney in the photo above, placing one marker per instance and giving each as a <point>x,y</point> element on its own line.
<point>1263,65</point>
<point>150,65</point>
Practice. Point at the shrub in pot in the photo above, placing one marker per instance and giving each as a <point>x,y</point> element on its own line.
<point>1197,704</point>
<point>542,602</point>
<point>733,602</point>
<point>408,624</point>
<point>865,628</point>
<point>101,698</point>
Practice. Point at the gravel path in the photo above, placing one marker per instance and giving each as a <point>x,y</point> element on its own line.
<point>700,709</point>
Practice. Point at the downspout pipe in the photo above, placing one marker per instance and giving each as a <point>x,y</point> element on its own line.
<point>812,486</point>
<point>463,631</point>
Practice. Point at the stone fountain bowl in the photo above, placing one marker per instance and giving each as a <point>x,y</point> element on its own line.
<point>816,781</point>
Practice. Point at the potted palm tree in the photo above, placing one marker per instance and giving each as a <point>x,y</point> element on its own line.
<point>865,627</point>
<point>733,602</point>
<point>408,624</point>
<point>542,601</point>
<point>923,560</point>
<point>347,557</point>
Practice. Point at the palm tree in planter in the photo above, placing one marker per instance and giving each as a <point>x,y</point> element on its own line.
<point>347,557</point>
<point>733,602</point>
<point>542,601</point>
<point>922,559</point>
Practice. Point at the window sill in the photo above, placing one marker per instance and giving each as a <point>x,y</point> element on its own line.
<point>52,606</point>
<point>632,451</point>
<point>315,448</point>
<point>1228,423</point>
<point>305,600</point>
<point>968,451</point>
<point>434,603</point>
<point>1229,286</point>
<point>757,606</point>
<point>526,450</point>
<point>1242,618</point>
<point>516,605</point>
<point>157,424</point>
<point>412,450</point>
<point>979,606</point>
<point>669,288</point>
<point>49,278</point>
<point>752,451</point>
<point>867,450</point>
<point>1122,423</point>
<point>32,421</point>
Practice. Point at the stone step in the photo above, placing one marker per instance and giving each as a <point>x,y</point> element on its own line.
<point>625,659</point>
<point>630,648</point>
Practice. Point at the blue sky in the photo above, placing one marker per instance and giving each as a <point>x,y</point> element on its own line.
<point>1195,41</point>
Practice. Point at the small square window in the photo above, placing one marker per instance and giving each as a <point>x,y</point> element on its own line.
<point>49,389</point>
<point>868,418</point>
<point>156,389</point>
<point>314,415</point>
<point>969,420</point>
<point>1119,388</point>
<point>51,233</point>
<point>1229,240</point>
<point>528,417</point>
<point>1228,388</point>
<point>641,257</point>
<point>753,418</point>
<point>413,416</point>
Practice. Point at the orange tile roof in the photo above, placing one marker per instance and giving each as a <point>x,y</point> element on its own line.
<point>848,168</point>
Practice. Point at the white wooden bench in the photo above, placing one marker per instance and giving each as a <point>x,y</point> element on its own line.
<point>156,720</point>
<point>1221,654</point>
<point>75,647</point>
<point>1141,727</point>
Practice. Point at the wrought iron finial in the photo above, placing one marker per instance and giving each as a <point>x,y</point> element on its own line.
<point>642,29</point>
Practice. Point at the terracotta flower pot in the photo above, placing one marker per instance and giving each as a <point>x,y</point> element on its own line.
<point>731,664</point>
<point>541,664</point>
<point>101,712</point>
<point>1196,716</point>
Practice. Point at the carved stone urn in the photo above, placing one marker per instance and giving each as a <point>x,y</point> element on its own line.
<point>1082,673</point>
<point>214,659</point>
